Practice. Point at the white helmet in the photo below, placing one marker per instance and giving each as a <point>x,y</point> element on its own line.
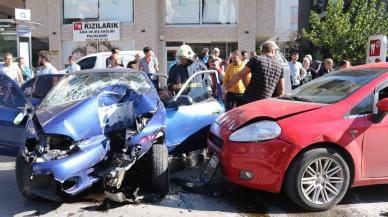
<point>186,52</point>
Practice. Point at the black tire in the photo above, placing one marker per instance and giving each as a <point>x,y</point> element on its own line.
<point>23,172</point>
<point>294,175</point>
<point>159,168</point>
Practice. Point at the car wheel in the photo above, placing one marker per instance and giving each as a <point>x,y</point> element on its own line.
<point>318,179</point>
<point>159,168</point>
<point>23,173</point>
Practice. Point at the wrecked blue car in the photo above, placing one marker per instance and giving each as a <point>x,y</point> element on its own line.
<point>97,125</point>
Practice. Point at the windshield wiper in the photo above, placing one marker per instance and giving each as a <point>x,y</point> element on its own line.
<point>286,98</point>
<point>296,98</point>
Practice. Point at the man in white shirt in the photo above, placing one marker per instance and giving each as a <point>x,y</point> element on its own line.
<point>11,70</point>
<point>297,71</point>
<point>45,64</point>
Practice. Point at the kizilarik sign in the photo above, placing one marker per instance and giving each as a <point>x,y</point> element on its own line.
<point>96,31</point>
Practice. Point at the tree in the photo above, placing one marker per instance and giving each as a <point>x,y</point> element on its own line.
<point>344,32</point>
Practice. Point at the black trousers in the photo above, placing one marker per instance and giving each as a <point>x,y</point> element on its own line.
<point>231,100</point>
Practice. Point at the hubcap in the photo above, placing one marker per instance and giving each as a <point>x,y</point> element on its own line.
<point>322,180</point>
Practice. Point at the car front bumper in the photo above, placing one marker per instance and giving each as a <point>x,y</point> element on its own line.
<point>75,169</point>
<point>260,165</point>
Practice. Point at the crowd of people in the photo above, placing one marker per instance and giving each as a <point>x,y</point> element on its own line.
<point>245,77</point>
<point>20,72</point>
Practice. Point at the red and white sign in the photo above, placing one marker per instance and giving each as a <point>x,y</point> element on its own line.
<point>374,48</point>
<point>377,48</point>
<point>96,31</point>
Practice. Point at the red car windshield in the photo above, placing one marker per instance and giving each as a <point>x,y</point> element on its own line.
<point>335,86</point>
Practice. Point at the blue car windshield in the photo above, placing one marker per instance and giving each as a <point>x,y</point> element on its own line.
<point>79,86</point>
<point>335,86</point>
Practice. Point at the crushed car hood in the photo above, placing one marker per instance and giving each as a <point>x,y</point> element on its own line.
<point>70,119</point>
<point>270,108</point>
<point>94,115</point>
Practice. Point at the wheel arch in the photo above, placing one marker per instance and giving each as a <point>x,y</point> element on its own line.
<point>341,150</point>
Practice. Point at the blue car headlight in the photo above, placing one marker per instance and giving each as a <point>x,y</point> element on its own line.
<point>259,131</point>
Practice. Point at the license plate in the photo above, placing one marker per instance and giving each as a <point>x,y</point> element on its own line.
<point>210,169</point>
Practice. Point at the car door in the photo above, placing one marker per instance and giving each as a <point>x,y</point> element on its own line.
<point>12,102</point>
<point>187,125</point>
<point>37,89</point>
<point>375,146</point>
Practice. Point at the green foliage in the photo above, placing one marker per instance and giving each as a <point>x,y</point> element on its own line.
<point>344,32</point>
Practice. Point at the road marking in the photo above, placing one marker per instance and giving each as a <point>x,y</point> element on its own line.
<point>7,166</point>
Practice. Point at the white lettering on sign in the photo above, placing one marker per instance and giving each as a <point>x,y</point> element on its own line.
<point>96,31</point>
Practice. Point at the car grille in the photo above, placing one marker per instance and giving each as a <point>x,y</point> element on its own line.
<point>217,141</point>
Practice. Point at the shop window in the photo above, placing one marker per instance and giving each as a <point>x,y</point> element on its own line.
<point>184,12</point>
<point>219,12</point>
<point>97,10</point>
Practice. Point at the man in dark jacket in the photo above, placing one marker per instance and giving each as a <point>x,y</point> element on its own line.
<point>327,67</point>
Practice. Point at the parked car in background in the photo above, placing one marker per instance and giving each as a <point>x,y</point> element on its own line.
<point>315,143</point>
<point>97,60</point>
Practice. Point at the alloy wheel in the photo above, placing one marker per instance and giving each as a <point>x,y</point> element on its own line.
<point>322,180</point>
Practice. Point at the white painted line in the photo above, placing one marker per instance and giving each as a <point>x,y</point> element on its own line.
<point>7,166</point>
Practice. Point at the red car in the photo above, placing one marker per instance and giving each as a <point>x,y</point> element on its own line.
<point>315,143</point>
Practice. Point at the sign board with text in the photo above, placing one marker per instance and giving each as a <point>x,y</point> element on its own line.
<point>23,31</point>
<point>377,48</point>
<point>22,14</point>
<point>96,31</point>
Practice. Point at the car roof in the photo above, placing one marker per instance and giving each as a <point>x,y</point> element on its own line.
<point>124,52</point>
<point>372,66</point>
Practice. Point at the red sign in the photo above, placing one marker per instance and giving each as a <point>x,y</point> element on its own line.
<point>374,48</point>
<point>77,26</point>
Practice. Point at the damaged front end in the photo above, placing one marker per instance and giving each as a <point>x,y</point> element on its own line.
<point>100,137</point>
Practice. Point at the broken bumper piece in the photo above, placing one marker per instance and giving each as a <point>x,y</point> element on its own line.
<point>74,171</point>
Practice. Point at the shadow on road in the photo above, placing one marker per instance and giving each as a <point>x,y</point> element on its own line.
<point>186,192</point>
<point>13,203</point>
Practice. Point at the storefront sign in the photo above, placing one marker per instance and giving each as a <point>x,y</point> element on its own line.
<point>377,48</point>
<point>96,31</point>
<point>22,14</point>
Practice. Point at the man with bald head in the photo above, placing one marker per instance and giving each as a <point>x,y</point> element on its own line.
<point>266,75</point>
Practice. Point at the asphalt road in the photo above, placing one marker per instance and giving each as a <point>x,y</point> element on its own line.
<point>187,198</point>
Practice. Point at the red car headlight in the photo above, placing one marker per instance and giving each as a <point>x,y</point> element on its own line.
<point>259,131</point>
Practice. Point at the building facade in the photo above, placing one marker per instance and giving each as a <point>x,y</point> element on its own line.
<point>164,24</point>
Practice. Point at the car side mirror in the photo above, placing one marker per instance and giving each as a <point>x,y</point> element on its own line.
<point>184,101</point>
<point>382,105</point>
